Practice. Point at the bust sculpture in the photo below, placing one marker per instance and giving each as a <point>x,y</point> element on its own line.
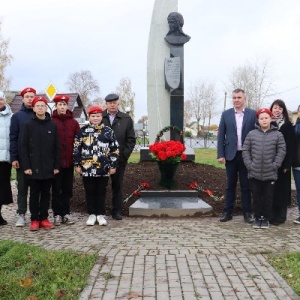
<point>176,36</point>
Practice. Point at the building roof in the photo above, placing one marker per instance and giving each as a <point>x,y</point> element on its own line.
<point>75,104</point>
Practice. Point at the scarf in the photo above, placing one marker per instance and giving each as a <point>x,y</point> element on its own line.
<point>279,120</point>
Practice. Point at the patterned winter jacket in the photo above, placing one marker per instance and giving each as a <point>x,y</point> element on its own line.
<point>96,150</point>
<point>263,153</point>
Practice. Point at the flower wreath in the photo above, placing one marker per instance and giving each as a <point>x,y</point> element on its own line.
<point>166,129</point>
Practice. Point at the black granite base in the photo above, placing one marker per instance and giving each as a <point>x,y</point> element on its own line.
<point>169,203</point>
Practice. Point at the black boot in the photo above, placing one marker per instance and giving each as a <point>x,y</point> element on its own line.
<point>226,217</point>
<point>2,221</point>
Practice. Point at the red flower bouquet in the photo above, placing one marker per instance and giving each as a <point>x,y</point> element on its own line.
<point>141,186</point>
<point>195,186</point>
<point>168,152</point>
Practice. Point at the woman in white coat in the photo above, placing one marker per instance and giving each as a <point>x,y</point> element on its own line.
<point>5,165</point>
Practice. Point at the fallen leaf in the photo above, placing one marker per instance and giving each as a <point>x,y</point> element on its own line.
<point>26,282</point>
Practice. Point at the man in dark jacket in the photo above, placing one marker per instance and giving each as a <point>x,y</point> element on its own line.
<point>40,161</point>
<point>122,125</point>
<point>16,130</point>
<point>62,188</point>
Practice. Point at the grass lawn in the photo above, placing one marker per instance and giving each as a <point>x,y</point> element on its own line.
<point>31,272</point>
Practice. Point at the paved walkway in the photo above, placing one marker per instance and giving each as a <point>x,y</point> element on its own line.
<point>192,258</point>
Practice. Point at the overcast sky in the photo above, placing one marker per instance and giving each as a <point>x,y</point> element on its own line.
<point>51,39</point>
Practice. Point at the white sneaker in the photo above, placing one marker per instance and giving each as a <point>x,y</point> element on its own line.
<point>57,220</point>
<point>21,221</point>
<point>101,220</point>
<point>67,220</point>
<point>91,220</point>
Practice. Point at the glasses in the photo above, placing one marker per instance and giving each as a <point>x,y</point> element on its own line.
<point>236,97</point>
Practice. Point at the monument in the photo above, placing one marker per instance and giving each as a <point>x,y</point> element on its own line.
<point>174,69</point>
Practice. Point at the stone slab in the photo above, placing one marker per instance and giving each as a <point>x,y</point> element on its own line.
<point>168,203</point>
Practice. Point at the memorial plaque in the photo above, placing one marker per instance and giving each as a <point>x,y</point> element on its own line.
<point>172,72</point>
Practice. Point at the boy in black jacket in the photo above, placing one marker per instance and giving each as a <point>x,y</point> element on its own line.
<point>40,160</point>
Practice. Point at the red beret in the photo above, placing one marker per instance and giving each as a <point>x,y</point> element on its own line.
<point>28,90</point>
<point>61,98</point>
<point>36,99</point>
<point>263,110</point>
<point>95,110</point>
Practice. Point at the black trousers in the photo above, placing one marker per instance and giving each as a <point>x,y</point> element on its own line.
<point>62,191</point>
<point>262,195</point>
<point>5,187</point>
<point>117,186</point>
<point>95,193</point>
<point>39,198</point>
<point>23,186</point>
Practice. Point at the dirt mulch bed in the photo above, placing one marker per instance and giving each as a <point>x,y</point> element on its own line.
<point>208,177</point>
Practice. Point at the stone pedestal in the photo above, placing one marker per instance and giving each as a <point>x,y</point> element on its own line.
<point>169,203</point>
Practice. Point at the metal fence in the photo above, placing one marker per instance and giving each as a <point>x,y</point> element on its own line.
<point>191,142</point>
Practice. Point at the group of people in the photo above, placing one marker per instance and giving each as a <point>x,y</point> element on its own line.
<point>45,149</point>
<point>259,148</point>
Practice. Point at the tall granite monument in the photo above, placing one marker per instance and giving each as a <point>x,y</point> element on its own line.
<point>165,68</point>
<point>174,69</point>
<point>158,97</point>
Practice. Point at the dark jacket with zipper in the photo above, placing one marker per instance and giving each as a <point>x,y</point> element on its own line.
<point>124,131</point>
<point>67,128</point>
<point>40,148</point>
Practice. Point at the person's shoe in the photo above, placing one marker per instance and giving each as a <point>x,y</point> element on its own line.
<point>297,221</point>
<point>248,218</point>
<point>46,224</point>
<point>257,223</point>
<point>226,217</point>
<point>34,226</point>
<point>57,220</point>
<point>67,220</point>
<point>101,220</point>
<point>2,221</point>
<point>91,220</point>
<point>21,221</point>
<point>264,223</point>
<point>117,216</point>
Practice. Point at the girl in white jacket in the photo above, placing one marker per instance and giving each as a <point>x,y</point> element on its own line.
<point>5,165</point>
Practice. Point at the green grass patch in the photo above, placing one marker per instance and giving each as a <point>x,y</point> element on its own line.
<point>31,272</point>
<point>288,266</point>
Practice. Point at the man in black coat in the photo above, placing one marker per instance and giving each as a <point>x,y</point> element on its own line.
<point>122,125</point>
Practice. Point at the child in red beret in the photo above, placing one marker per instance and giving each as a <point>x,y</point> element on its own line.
<point>40,160</point>
<point>62,187</point>
<point>263,152</point>
<point>16,130</point>
<point>96,154</point>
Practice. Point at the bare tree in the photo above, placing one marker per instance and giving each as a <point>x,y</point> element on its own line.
<point>5,61</point>
<point>255,78</point>
<point>126,96</point>
<point>203,101</point>
<point>85,85</point>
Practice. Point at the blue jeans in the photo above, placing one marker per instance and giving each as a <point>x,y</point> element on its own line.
<point>236,169</point>
<point>296,174</point>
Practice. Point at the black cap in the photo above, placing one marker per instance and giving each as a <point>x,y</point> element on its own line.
<point>111,97</point>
